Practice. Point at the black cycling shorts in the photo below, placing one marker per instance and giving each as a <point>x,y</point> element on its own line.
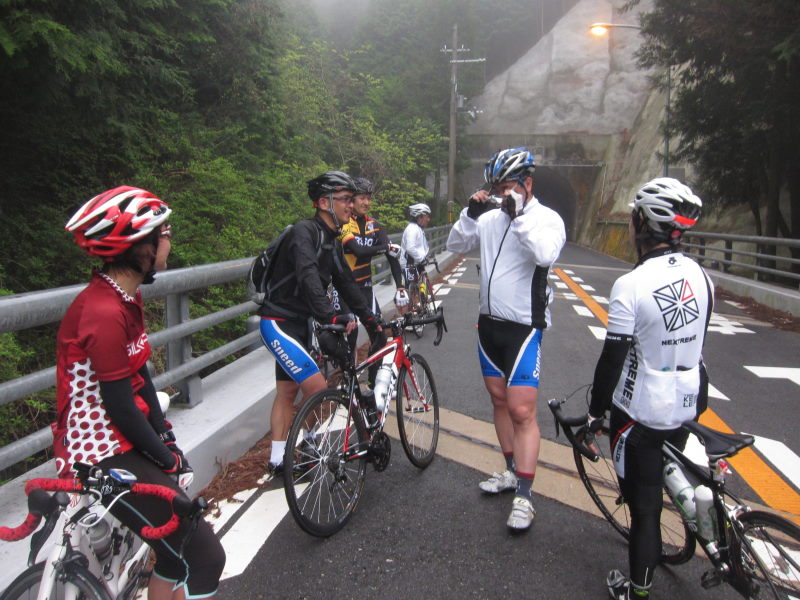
<point>200,566</point>
<point>509,350</point>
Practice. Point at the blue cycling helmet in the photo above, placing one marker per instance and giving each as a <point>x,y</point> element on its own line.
<point>506,165</point>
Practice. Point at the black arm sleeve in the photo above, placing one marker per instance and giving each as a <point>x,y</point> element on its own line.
<point>353,247</point>
<point>608,371</point>
<point>148,394</point>
<point>303,244</point>
<point>394,262</point>
<point>343,281</point>
<point>126,416</point>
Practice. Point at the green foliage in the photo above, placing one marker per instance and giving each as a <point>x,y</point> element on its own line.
<point>735,110</point>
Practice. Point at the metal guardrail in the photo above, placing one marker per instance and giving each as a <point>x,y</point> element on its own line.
<point>724,256</point>
<point>32,309</point>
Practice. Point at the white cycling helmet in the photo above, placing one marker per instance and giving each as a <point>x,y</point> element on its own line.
<point>419,209</point>
<point>667,206</point>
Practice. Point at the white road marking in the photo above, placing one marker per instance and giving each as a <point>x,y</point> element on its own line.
<point>561,285</point>
<point>598,332</point>
<point>600,299</point>
<point>568,271</point>
<point>577,279</point>
<point>228,508</point>
<point>715,393</point>
<point>250,532</point>
<point>582,310</point>
<point>569,296</point>
<point>725,326</point>
<point>442,291</point>
<point>789,373</point>
<point>588,288</point>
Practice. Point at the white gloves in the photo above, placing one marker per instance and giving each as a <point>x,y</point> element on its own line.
<point>401,297</point>
<point>394,250</point>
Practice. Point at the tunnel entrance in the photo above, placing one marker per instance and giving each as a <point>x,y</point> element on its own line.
<point>566,190</point>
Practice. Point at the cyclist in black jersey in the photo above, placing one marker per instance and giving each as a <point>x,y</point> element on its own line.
<point>362,238</point>
<point>650,373</point>
<point>284,317</point>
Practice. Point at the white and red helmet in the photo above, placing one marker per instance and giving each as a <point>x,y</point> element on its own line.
<point>111,222</point>
<point>667,206</point>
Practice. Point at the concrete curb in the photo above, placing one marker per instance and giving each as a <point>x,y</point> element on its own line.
<point>779,298</point>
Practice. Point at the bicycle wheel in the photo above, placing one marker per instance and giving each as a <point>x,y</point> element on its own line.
<point>416,300</point>
<point>430,299</point>
<point>417,410</point>
<point>323,477</point>
<point>600,480</point>
<point>766,555</point>
<point>74,583</point>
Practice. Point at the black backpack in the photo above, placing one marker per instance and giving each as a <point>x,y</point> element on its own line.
<point>259,284</point>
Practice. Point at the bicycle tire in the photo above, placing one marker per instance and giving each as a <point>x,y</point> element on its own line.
<point>417,411</point>
<point>323,490</point>
<point>766,556</point>
<point>415,302</point>
<point>26,585</point>
<point>600,480</point>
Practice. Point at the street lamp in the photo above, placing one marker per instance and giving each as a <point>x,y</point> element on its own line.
<point>600,29</point>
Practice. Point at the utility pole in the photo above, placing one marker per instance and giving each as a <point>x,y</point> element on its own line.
<point>451,155</point>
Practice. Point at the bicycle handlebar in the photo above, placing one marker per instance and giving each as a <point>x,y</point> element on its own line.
<point>397,325</point>
<point>567,423</point>
<point>39,507</point>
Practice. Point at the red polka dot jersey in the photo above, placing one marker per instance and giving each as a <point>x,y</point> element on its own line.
<point>101,338</point>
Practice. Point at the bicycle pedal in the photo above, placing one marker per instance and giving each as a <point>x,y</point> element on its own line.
<point>710,579</point>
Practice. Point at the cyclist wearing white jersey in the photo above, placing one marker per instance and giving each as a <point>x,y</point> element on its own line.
<point>650,373</point>
<point>519,240</point>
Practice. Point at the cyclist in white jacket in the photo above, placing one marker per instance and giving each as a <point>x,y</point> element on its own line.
<point>519,240</point>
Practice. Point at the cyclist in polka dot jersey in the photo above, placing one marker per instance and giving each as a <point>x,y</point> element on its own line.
<point>108,412</point>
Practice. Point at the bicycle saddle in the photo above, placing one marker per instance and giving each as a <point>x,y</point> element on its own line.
<point>719,445</point>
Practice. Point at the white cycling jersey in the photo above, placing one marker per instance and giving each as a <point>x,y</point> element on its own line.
<point>414,244</point>
<point>664,304</point>
<point>516,256</point>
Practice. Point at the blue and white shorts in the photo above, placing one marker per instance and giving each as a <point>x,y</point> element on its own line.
<point>289,341</point>
<point>509,350</point>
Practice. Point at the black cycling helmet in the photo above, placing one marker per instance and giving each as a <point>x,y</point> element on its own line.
<point>364,186</point>
<point>328,183</point>
<point>508,165</point>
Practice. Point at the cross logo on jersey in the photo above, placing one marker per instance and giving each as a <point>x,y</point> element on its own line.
<point>677,303</point>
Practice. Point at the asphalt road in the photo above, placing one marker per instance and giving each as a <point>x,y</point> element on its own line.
<point>433,534</point>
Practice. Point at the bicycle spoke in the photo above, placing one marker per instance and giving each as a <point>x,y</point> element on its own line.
<point>417,412</point>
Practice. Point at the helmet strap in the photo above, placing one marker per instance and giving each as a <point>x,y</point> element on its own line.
<point>336,223</point>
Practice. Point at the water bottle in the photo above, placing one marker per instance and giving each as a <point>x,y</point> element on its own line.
<point>383,381</point>
<point>706,515</point>
<point>100,539</point>
<point>680,490</point>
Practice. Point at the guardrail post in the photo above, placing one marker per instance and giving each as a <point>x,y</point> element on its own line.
<point>702,252</point>
<point>728,256</point>
<point>179,351</point>
<point>253,324</point>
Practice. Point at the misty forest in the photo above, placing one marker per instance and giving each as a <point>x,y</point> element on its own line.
<point>224,108</point>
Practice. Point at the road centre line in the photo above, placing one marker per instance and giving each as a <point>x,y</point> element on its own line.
<point>751,467</point>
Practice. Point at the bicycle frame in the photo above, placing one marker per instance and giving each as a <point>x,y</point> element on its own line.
<point>400,359</point>
<point>118,574</point>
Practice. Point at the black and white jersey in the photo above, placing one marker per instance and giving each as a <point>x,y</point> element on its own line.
<point>664,304</point>
<point>516,256</point>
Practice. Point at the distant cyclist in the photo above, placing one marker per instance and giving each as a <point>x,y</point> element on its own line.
<point>414,242</point>
<point>362,238</point>
<point>519,240</point>
<point>312,257</point>
<point>108,413</point>
<point>650,373</point>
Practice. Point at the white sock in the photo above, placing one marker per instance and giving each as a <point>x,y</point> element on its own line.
<point>276,455</point>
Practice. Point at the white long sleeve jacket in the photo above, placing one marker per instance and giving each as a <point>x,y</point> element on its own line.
<point>414,244</point>
<point>516,256</point>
